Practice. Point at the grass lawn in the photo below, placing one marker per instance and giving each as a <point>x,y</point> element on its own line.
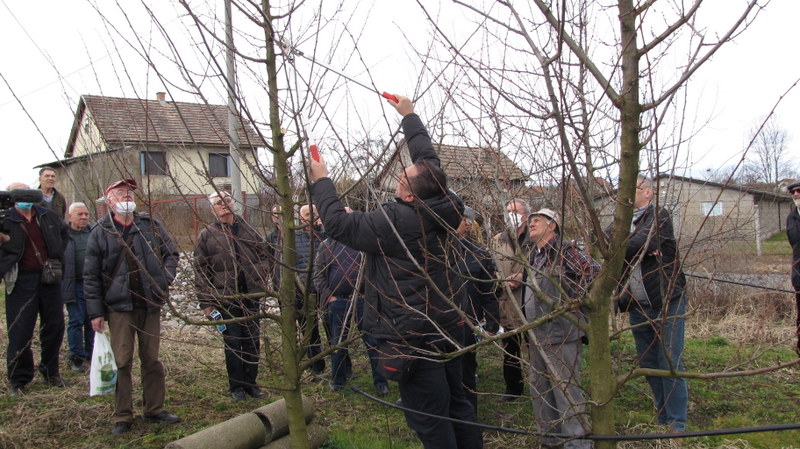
<point>69,418</point>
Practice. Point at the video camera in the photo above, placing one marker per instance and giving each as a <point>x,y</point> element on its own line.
<point>8,198</point>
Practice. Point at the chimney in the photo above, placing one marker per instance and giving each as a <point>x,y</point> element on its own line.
<point>161,97</point>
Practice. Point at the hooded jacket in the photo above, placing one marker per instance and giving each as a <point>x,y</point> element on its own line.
<point>156,253</point>
<point>404,245</point>
<point>217,269</point>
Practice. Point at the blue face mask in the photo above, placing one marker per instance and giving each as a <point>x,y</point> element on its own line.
<point>23,206</point>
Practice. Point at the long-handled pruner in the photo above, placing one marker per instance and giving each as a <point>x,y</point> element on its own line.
<point>290,51</point>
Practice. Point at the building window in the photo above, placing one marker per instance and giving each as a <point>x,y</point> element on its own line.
<point>153,163</point>
<point>712,208</point>
<point>219,165</point>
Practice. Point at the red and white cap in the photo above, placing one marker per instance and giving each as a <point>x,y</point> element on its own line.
<point>130,183</point>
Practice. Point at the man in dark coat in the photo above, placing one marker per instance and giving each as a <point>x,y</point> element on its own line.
<point>130,264</point>
<point>230,259</point>
<point>36,236</point>
<point>409,300</point>
<point>793,232</point>
<point>80,335</point>
<point>475,271</point>
<point>652,291</point>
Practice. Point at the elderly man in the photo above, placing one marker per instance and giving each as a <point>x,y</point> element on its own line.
<point>37,237</point>
<point>130,264</point>
<point>306,244</point>
<point>562,275</point>
<point>793,233</point>
<point>510,248</point>
<point>230,259</point>
<point>80,335</point>
<point>409,300</point>
<point>51,198</point>
<point>652,291</point>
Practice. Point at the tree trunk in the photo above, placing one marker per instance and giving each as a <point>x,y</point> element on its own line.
<point>291,352</point>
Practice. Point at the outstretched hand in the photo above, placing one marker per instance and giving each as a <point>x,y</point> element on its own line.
<point>404,106</point>
<point>317,169</point>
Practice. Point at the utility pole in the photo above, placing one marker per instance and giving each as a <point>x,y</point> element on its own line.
<point>233,146</point>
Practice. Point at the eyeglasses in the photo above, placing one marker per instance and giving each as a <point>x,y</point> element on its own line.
<point>793,191</point>
<point>220,202</point>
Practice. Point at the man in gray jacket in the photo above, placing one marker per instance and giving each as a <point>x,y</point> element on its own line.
<point>130,263</point>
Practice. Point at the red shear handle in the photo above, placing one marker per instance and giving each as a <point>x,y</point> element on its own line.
<point>389,96</point>
<point>314,152</point>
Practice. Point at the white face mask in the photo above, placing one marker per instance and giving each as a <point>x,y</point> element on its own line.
<point>797,203</point>
<point>514,220</point>
<point>125,207</point>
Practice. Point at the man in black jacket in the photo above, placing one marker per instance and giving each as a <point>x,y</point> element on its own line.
<point>36,235</point>
<point>130,263</point>
<point>409,300</point>
<point>652,291</point>
<point>475,271</point>
<point>793,232</point>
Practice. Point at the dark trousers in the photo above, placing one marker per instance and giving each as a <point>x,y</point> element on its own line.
<point>338,321</point>
<point>80,336</point>
<point>512,365</point>
<point>372,346</point>
<point>315,341</point>
<point>28,300</point>
<point>242,346</point>
<point>469,369</point>
<point>436,387</point>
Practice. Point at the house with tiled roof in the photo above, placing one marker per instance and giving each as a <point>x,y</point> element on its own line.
<point>172,149</point>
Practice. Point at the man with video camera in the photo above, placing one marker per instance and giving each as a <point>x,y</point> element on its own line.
<point>30,264</point>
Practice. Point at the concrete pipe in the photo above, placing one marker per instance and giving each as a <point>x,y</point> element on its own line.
<point>246,431</point>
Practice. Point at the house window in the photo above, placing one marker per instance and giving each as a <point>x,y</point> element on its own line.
<point>153,163</point>
<point>712,208</point>
<point>219,165</point>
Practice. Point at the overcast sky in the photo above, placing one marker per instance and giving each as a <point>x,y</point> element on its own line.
<point>56,52</point>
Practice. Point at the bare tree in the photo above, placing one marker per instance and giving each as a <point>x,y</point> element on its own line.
<point>768,159</point>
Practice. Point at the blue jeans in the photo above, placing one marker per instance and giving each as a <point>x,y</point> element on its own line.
<point>80,336</point>
<point>659,343</point>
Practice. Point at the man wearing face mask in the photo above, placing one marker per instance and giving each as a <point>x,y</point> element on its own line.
<point>130,263</point>
<point>36,236</point>
<point>510,248</point>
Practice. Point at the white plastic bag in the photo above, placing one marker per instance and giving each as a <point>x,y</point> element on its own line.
<point>103,374</point>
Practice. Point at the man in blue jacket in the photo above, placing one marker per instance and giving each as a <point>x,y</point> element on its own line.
<point>410,304</point>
